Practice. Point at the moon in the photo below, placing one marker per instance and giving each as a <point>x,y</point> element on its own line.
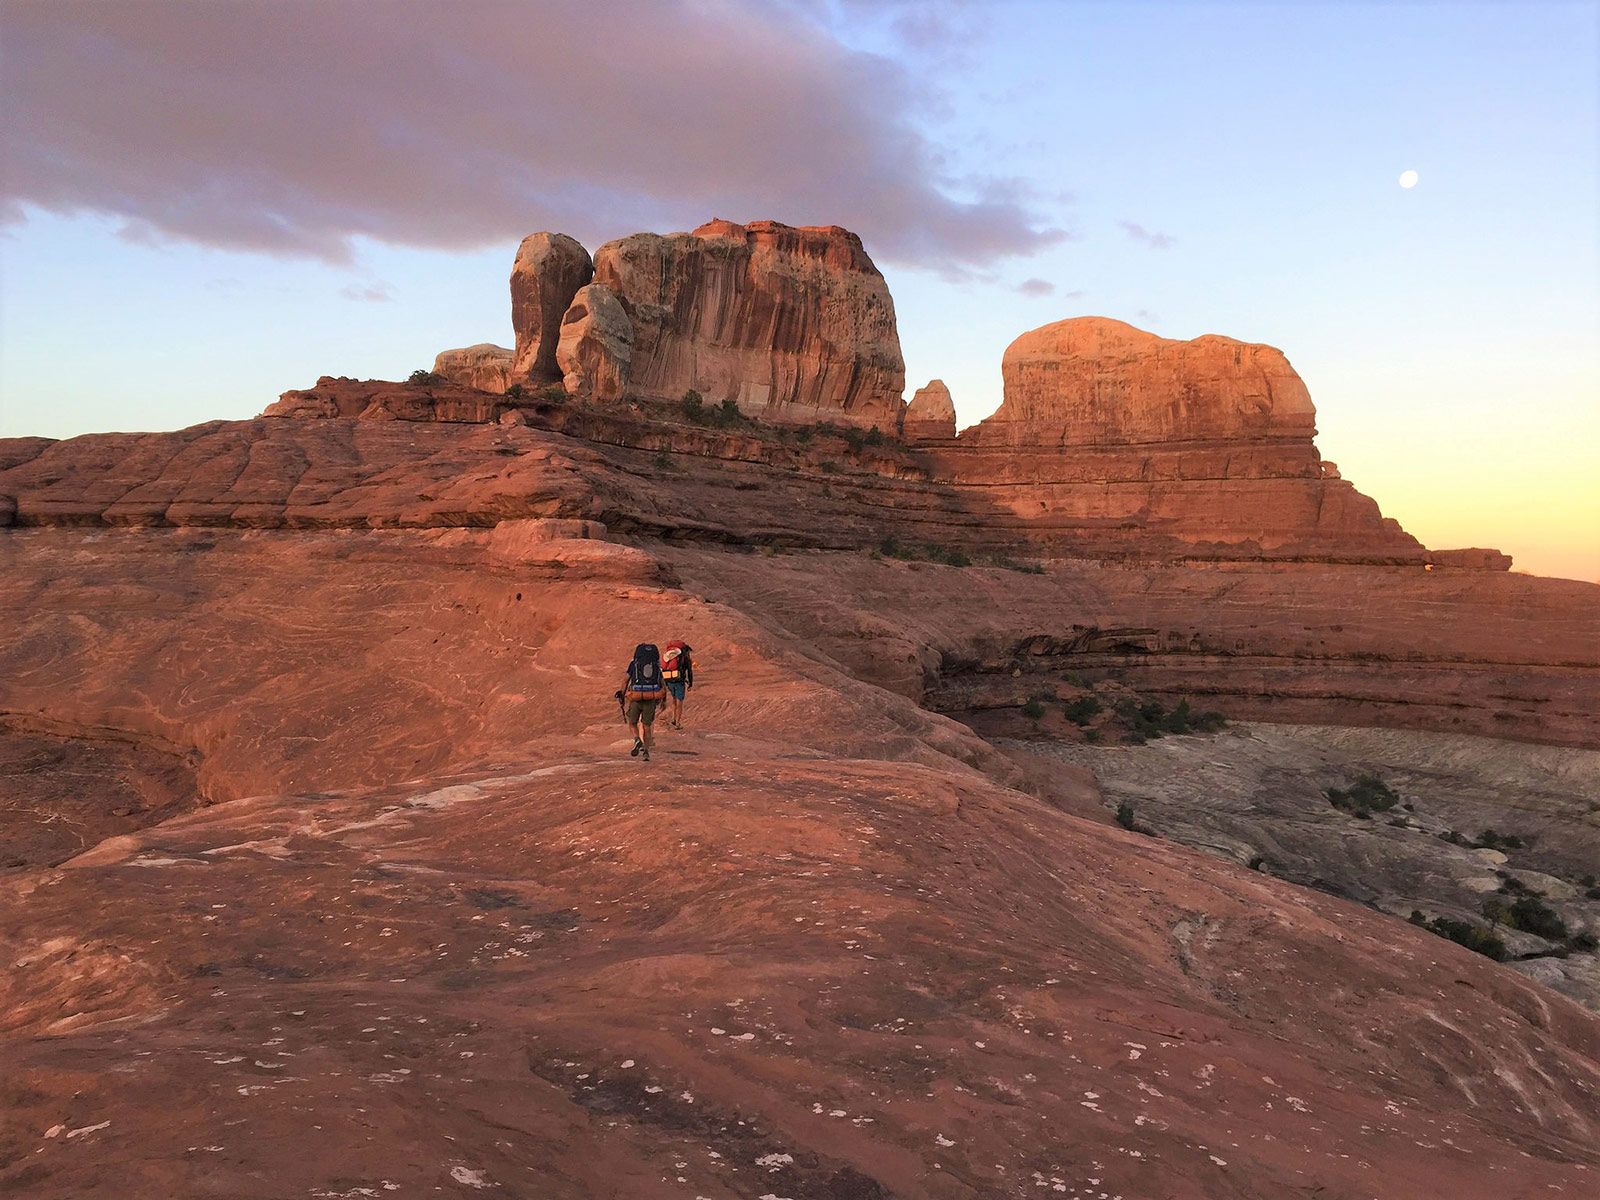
<point>1408,179</point>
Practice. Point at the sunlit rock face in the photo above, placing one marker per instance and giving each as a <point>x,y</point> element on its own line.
<point>1111,439</point>
<point>793,324</point>
<point>1092,381</point>
<point>485,366</point>
<point>596,345</point>
<point>549,270</point>
<point>931,415</point>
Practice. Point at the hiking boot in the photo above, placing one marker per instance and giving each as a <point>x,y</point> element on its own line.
<point>646,752</point>
<point>637,746</point>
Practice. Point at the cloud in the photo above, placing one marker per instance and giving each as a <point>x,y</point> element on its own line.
<point>1036,287</point>
<point>298,127</point>
<point>1156,241</point>
<point>377,293</point>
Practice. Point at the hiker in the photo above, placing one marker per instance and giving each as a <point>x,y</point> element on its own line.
<point>677,669</point>
<point>642,690</point>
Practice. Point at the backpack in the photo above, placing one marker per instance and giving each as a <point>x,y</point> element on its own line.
<point>644,674</point>
<point>675,662</point>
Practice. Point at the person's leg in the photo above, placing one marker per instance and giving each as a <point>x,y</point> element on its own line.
<point>648,716</point>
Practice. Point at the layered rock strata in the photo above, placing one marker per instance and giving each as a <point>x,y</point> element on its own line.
<point>1113,440</point>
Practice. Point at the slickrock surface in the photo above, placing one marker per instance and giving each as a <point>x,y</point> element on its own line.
<point>441,935</point>
<point>485,366</point>
<point>548,271</point>
<point>795,324</point>
<point>931,415</point>
<point>1257,794</point>
<point>596,345</point>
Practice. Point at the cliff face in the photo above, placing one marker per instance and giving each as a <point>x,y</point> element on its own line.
<point>794,325</point>
<point>1111,439</point>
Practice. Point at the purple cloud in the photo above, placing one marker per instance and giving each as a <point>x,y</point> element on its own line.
<point>1036,287</point>
<point>297,127</point>
<point>1156,241</point>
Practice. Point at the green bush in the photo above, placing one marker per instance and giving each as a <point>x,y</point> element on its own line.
<point>1463,933</point>
<point>854,439</point>
<point>1150,719</point>
<point>728,413</point>
<point>694,406</point>
<point>1490,840</point>
<point>1529,913</point>
<point>424,378</point>
<point>1367,795</point>
<point>874,436</point>
<point>514,392</point>
<point>1033,708</point>
<point>1125,816</point>
<point>663,461</point>
<point>1083,710</point>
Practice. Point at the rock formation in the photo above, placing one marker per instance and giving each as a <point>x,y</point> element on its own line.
<point>794,325</point>
<point>1110,436</point>
<point>548,271</point>
<point>596,345</point>
<point>931,415</point>
<point>1092,381</point>
<point>485,366</point>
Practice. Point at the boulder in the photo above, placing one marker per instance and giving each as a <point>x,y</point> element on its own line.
<point>485,366</point>
<point>596,345</point>
<point>549,270</point>
<point>793,324</point>
<point>931,415</point>
<point>1471,559</point>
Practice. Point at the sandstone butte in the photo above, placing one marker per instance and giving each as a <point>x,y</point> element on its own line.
<point>327,872</point>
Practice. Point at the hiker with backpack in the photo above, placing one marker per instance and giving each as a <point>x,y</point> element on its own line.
<point>642,689</point>
<point>677,670</point>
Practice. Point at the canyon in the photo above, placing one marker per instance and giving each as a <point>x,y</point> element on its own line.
<point>320,826</point>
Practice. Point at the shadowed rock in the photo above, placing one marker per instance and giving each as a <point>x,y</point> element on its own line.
<point>596,345</point>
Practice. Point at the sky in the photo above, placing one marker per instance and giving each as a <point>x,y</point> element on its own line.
<point>203,204</point>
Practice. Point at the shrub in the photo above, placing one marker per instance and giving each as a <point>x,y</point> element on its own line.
<point>1463,933</point>
<point>1528,913</point>
<point>1367,795</point>
<point>514,392</point>
<point>553,393</point>
<point>1150,719</point>
<point>694,406</point>
<point>829,467</point>
<point>854,439</point>
<point>1083,710</point>
<point>1033,708</point>
<point>874,437</point>
<point>1585,941</point>
<point>949,556</point>
<point>424,378</point>
<point>804,434</point>
<point>728,413</point>
<point>1125,815</point>
<point>663,461</point>
<point>1490,840</point>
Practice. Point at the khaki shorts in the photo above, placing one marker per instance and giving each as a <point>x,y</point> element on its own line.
<point>641,710</point>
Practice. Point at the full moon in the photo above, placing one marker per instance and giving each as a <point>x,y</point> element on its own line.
<point>1408,179</point>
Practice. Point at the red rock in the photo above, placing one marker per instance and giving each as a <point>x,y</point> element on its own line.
<point>548,271</point>
<point>450,898</point>
<point>1475,559</point>
<point>596,345</point>
<point>486,367</point>
<point>931,416</point>
<point>794,324</point>
<point>1113,440</point>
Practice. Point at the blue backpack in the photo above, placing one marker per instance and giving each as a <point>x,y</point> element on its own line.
<point>644,674</point>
